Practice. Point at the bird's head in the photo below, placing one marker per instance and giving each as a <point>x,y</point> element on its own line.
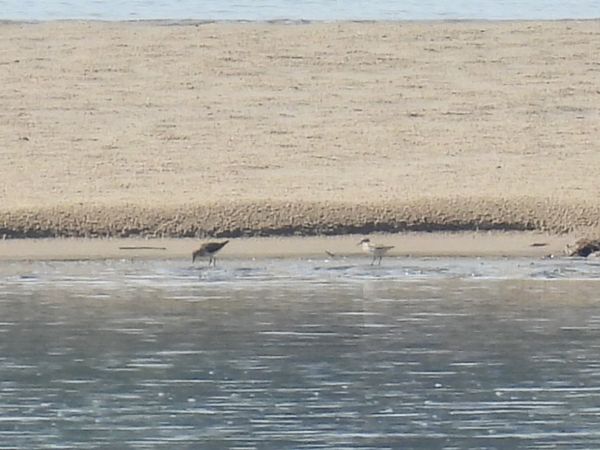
<point>364,241</point>
<point>195,255</point>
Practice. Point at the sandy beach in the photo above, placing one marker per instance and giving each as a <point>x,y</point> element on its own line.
<point>254,129</point>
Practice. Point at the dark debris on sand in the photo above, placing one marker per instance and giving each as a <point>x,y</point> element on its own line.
<point>584,247</point>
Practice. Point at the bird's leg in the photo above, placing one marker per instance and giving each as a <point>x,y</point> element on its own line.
<point>210,259</point>
<point>373,261</point>
<point>380,258</point>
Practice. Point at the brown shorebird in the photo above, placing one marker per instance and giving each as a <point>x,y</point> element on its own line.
<point>376,250</point>
<point>584,247</point>
<point>209,250</point>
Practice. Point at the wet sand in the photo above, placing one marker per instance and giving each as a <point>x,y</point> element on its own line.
<point>489,244</point>
<point>241,129</point>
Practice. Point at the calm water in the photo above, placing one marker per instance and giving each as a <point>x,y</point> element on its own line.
<point>297,9</point>
<point>284,354</point>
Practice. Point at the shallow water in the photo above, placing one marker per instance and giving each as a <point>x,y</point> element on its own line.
<point>300,354</point>
<point>298,10</point>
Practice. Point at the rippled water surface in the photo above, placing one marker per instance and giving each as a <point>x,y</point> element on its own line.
<point>300,354</point>
<point>297,9</point>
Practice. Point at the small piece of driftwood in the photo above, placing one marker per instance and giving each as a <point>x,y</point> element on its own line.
<point>539,244</point>
<point>141,247</point>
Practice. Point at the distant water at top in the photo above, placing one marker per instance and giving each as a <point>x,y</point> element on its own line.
<point>317,10</point>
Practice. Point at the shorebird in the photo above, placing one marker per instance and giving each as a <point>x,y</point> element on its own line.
<point>584,247</point>
<point>209,249</point>
<point>376,250</point>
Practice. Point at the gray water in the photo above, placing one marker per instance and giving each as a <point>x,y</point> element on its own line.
<point>298,9</point>
<point>300,354</point>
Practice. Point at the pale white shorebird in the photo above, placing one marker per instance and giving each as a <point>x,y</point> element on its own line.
<point>378,251</point>
<point>209,250</point>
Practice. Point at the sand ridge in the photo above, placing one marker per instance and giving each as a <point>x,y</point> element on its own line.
<point>236,129</point>
<point>286,218</point>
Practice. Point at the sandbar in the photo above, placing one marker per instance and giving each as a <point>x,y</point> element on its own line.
<point>183,130</point>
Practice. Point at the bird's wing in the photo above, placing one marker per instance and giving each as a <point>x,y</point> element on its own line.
<point>213,246</point>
